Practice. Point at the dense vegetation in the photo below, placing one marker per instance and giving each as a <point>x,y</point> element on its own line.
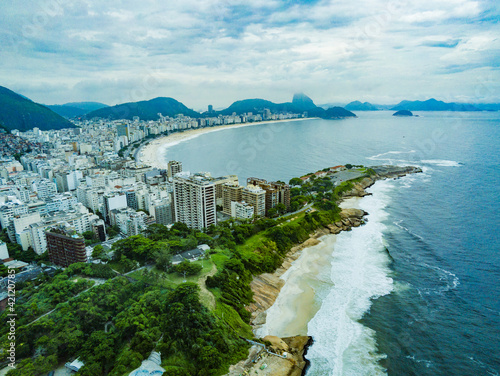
<point>145,110</point>
<point>17,112</point>
<point>71,110</point>
<point>112,322</point>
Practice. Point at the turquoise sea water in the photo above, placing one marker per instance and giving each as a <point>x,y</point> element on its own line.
<point>416,291</point>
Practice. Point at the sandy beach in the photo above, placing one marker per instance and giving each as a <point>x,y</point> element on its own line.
<point>152,153</point>
<point>298,301</point>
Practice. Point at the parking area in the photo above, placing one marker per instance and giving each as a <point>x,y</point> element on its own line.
<point>342,176</point>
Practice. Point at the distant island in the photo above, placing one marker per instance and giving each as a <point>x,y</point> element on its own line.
<point>403,113</point>
<point>331,113</point>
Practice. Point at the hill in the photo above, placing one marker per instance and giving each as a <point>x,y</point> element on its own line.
<point>302,102</point>
<point>76,109</point>
<point>256,105</point>
<point>18,112</point>
<point>433,105</point>
<point>358,106</point>
<point>332,113</point>
<point>403,113</point>
<point>145,110</point>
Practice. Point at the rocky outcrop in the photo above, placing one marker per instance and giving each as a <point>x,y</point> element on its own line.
<point>264,361</point>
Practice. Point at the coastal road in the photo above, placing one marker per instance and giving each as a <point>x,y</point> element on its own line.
<point>308,206</point>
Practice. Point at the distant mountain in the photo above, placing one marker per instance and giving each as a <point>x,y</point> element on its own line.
<point>87,106</point>
<point>433,105</point>
<point>145,110</point>
<point>403,113</point>
<point>488,106</point>
<point>76,109</point>
<point>18,112</point>
<point>331,113</point>
<point>358,106</point>
<point>302,102</point>
<point>256,105</point>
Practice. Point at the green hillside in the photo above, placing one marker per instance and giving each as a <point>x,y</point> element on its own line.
<point>145,110</point>
<point>76,109</point>
<point>256,105</point>
<point>17,112</point>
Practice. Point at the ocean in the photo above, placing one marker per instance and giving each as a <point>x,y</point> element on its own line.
<point>415,291</point>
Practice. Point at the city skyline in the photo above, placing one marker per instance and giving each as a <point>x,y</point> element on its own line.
<point>217,52</point>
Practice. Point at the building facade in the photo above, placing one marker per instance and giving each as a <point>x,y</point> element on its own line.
<point>64,247</point>
<point>194,200</point>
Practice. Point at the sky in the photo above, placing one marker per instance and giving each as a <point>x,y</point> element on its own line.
<point>216,52</point>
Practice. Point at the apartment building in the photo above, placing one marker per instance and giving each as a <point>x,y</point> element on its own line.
<point>65,247</point>
<point>256,197</point>
<point>194,200</point>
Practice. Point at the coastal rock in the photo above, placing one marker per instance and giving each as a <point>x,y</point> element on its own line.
<point>352,213</point>
<point>334,229</point>
<point>338,224</point>
<point>276,343</point>
<point>260,362</point>
<point>266,288</point>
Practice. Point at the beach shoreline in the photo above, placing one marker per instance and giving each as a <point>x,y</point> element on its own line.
<point>269,288</point>
<point>151,153</point>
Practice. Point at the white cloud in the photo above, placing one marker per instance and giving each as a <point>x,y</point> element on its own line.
<point>211,50</point>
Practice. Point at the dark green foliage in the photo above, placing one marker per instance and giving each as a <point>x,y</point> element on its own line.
<point>17,112</point>
<point>112,231</point>
<point>191,330</point>
<point>256,105</point>
<point>98,252</point>
<point>90,270</point>
<point>145,110</point>
<point>331,113</point>
<point>135,247</point>
<point>88,235</point>
<point>71,110</point>
<point>187,268</point>
<point>295,181</point>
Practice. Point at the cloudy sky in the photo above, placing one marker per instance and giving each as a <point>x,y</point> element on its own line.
<point>215,52</point>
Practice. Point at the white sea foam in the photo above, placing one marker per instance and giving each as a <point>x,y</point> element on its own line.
<point>442,162</point>
<point>450,279</point>
<point>360,273</point>
<point>487,368</point>
<point>427,363</point>
<point>378,156</point>
<point>399,224</point>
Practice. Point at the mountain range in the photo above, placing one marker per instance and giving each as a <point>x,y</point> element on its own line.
<point>150,110</point>
<point>76,109</point>
<point>145,110</point>
<point>358,106</point>
<point>18,112</point>
<point>433,105</point>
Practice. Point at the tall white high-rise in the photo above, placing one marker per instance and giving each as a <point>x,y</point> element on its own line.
<point>174,167</point>
<point>194,200</point>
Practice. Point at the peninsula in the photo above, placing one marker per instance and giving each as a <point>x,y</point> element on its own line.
<point>266,287</point>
